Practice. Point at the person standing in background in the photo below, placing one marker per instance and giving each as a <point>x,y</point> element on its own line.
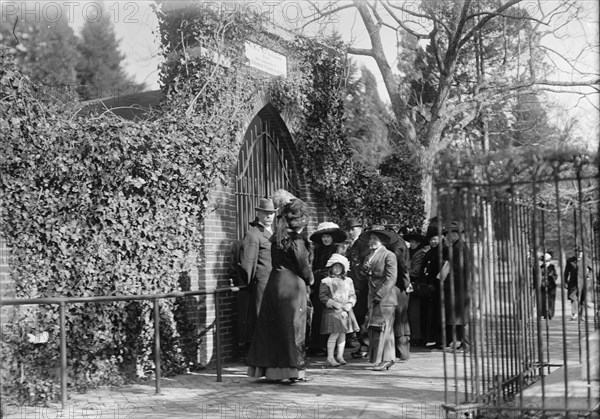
<point>255,261</point>
<point>548,286</point>
<point>277,350</point>
<point>328,239</point>
<point>356,251</point>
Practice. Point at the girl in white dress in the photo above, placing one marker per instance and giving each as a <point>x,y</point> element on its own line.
<point>338,296</point>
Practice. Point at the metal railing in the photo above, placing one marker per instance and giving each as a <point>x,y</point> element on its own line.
<point>62,302</point>
<point>518,359</point>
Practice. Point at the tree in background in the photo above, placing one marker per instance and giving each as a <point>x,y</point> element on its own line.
<point>45,51</point>
<point>367,118</point>
<point>99,72</point>
<point>451,29</point>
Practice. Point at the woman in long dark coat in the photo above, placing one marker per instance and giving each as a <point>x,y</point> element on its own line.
<point>277,350</point>
<point>430,289</point>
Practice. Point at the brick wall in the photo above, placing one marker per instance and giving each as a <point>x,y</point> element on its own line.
<point>220,232</point>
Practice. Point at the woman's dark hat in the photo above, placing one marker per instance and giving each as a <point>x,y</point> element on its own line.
<point>387,237</point>
<point>432,230</point>
<point>338,235</point>
<point>265,205</point>
<point>295,213</point>
<point>414,234</point>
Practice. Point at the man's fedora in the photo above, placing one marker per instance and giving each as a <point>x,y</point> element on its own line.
<point>353,222</point>
<point>265,205</point>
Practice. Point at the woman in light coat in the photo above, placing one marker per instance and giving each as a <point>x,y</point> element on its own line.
<point>381,269</point>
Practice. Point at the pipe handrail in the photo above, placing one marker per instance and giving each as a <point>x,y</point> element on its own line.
<point>110,298</point>
<point>63,301</point>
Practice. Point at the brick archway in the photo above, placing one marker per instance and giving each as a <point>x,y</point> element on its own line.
<point>223,226</point>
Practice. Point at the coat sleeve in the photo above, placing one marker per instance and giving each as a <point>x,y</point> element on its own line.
<point>391,273</point>
<point>302,255</point>
<point>569,273</point>
<point>351,292</point>
<point>416,266</point>
<point>249,259</point>
<point>325,295</point>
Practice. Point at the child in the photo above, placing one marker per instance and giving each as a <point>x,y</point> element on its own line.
<point>337,294</point>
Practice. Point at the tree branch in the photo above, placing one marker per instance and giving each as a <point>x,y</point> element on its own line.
<point>361,51</point>
<point>486,19</point>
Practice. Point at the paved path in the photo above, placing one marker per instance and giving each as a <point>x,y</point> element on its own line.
<point>412,389</point>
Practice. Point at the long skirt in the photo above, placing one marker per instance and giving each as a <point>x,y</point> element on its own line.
<point>382,347</point>
<point>414,318</point>
<point>277,350</point>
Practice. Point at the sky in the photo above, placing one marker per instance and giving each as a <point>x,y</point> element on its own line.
<point>135,24</point>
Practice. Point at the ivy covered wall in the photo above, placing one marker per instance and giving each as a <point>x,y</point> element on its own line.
<point>104,206</point>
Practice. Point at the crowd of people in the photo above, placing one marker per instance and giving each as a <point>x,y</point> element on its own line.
<point>378,290</point>
<point>576,275</point>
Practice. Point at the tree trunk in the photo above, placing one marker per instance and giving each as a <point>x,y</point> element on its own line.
<point>427,192</point>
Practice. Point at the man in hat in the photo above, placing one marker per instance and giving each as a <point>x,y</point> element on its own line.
<point>255,261</point>
<point>574,281</point>
<point>456,288</point>
<point>430,290</point>
<point>421,289</point>
<point>356,251</point>
<point>401,324</point>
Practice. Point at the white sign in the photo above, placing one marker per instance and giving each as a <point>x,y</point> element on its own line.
<point>266,60</point>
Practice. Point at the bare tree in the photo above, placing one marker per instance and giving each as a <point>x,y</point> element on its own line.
<point>450,28</point>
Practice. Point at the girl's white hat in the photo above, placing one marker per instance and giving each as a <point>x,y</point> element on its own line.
<point>337,258</point>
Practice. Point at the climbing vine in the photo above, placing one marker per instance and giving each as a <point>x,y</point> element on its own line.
<point>95,205</point>
<point>348,187</point>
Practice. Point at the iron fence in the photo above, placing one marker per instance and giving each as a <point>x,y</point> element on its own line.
<point>523,348</point>
<point>62,302</point>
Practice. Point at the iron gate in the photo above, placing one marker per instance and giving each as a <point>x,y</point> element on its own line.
<point>265,164</point>
<point>520,358</point>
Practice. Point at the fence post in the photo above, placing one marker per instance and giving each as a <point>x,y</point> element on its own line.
<point>63,355</point>
<point>157,345</point>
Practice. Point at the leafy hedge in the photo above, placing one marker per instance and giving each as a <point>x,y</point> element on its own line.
<point>95,205</point>
<point>101,206</point>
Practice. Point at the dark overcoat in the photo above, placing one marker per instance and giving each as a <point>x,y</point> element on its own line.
<point>459,298</point>
<point>279,336</point>
<point>255,267</point>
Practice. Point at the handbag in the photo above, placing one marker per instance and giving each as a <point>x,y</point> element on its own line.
<point>375,320</point>
<point>422,290</point>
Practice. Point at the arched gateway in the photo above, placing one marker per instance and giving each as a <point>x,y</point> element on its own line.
<point>267,161</point>
<point>265,164</point>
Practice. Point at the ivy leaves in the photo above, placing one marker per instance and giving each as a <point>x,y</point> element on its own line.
<point>102,206</point>
<point>347,187</point>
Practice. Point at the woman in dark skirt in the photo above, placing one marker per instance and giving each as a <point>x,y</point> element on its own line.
<point>277,350</point>
<point>326,241</point>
